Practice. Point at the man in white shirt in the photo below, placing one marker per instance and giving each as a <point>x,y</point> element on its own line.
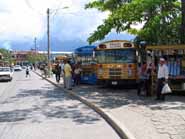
<point>62,68</point>
<point>162,77</point>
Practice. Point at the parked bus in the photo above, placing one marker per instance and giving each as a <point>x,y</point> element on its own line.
<point>175,56</point>
<point>116,63</point>
<point>84,56</point>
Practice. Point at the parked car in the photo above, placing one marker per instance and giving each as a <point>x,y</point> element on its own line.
<point>23,67</point>
<point>6,74</point>
<point>17,68</point>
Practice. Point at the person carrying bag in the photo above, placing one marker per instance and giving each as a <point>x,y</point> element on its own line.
<point>166,89</point>
<point>162,78</point>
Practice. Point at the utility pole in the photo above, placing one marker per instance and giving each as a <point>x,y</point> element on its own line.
<point>48,34</point>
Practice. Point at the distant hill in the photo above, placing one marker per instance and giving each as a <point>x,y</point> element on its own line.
<point>56,45</point>
<point>59,45</point>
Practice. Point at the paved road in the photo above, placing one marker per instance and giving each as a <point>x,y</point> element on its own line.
<point>34,109</point>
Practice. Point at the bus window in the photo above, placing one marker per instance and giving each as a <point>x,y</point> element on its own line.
<point>116,56</point>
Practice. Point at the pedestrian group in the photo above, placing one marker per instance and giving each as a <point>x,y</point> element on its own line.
<point>145,82</point>
<point>70,72</point>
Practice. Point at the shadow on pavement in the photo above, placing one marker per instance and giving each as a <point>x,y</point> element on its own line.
<point>14,116</point>
<point>111,98</point>
<point>45,104</point>
<point>4,81</point>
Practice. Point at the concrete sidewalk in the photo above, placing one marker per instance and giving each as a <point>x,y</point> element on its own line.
<point>144,117</point>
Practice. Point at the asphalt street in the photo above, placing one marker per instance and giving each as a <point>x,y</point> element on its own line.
<point>32,108</point>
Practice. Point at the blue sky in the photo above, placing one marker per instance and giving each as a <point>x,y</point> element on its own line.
<point>22,20</point>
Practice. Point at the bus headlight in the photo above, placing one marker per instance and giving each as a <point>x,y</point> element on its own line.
<point>129,71</point>
<point>100,71</point>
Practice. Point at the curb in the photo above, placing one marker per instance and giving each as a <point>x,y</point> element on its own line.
<point>119,128</point>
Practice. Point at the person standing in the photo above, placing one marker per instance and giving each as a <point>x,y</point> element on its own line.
<point>162,78</point>
<point>67,75</point>
<point>45,71</point>
<point>57,72</point>
<point>62,72</point>
<point>27,72</point>
<point>77,73</point>
<point>142,69</point>
<point>149,80</point>
<point>62,68</point>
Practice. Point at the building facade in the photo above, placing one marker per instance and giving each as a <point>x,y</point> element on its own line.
<point>20,57</point>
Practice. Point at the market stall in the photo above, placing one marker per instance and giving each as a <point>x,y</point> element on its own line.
<point>175,58</point>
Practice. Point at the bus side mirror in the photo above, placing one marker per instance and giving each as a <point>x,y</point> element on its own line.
<point>93,54</point>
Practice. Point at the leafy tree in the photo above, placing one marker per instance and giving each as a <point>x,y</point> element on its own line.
<point>161,18</point>
<point>6,56</point>
<point>35,57</point>
<point>183,22</point>
<point>105,5</point>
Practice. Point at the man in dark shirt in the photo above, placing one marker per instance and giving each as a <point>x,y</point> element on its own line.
<point>57,72</point>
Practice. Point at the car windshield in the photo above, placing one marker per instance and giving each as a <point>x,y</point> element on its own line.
<point>4,69</point>
<point>116,56</point>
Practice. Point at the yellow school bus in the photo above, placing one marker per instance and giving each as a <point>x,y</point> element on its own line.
<point>175,58</point>
<point>116,63</point>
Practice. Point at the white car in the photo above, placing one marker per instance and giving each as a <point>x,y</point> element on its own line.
<point>24,67</point>
<point>17,68</point>
<point>6,74</point>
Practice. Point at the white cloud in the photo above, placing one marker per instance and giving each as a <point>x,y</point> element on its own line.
<point>25,19</point>
<point>78,25</point>
<point>18,22</point>
<point>138,26</point>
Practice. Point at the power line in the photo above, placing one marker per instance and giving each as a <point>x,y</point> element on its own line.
<point>54,11</point>
<point>57,9</point>
<point>33,9</point>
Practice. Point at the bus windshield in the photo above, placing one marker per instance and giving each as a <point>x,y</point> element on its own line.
<point>116,56</point>
<point>85,60</point>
